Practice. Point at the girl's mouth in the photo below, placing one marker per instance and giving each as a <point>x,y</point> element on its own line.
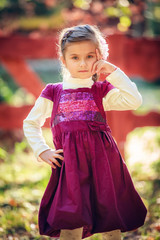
<point>83,71</point>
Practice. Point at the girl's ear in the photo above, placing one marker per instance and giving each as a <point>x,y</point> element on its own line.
<point>63,60</point>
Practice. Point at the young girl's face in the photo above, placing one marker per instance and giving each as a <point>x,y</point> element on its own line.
<point>79,58</point>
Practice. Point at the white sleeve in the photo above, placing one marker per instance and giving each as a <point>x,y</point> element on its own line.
<point>125,95</point>
<point>33,123</point>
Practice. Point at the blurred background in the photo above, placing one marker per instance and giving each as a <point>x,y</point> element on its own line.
<point>28,60</point>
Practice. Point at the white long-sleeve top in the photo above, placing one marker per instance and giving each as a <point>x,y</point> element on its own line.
<point>125,96</point>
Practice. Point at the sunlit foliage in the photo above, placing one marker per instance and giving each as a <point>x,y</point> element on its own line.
<point>135,18</point>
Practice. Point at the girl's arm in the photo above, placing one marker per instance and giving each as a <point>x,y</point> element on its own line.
<point>33,123</point>
<point>32,130</point>
<point>125,95</point>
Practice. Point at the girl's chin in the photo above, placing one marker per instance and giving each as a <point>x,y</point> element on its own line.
<point>83,76</point>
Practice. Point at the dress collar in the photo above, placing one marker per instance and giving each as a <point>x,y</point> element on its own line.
<point>74,83</point>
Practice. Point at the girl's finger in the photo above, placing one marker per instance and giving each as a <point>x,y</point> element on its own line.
<point>54,161</point>
<point>59,151</point>
<point>51,164</point>
<point>97,54</point>
<point>99,67</point>
<point>99,57</point>
<point>94,67</point>
<point>58,156</point>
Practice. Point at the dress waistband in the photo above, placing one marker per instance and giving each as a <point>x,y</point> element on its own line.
<point>80,126</point>
<point>94,126</point>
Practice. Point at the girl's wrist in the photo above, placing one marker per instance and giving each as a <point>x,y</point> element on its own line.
<point>112,68</point>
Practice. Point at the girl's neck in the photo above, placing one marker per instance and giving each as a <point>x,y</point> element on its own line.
<point>73,83</point>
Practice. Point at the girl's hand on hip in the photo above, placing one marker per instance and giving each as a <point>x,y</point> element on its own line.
<point>50,156</point>
<point>102,66</point>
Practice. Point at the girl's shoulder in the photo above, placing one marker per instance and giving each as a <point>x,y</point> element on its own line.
<point>50,90</point>
<point>103,87</point>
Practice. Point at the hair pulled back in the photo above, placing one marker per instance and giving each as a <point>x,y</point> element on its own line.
<point>82,33</point>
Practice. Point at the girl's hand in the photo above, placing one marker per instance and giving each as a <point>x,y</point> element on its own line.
<point>49,156</point>
<point>102,66</point>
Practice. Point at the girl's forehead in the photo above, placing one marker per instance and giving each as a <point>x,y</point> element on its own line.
<point>81,47</point>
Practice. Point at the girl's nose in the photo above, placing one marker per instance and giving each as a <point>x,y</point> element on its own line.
<point>82,63</point>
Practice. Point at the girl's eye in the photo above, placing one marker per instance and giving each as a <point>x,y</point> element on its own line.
<point>90,56</point>
<point>75,58</point>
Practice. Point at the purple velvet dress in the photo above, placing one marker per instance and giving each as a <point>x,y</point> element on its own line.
<point>93,188</point>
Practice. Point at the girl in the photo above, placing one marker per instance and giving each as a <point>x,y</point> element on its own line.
<point>90,189</point>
